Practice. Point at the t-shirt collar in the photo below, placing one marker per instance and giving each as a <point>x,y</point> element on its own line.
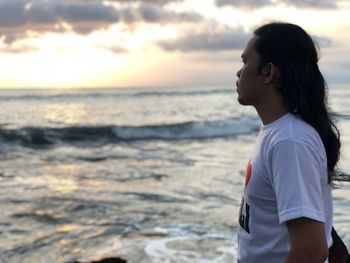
<point>276,122</point>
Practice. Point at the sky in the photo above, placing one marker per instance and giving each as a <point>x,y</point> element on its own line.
<point>154,43</point>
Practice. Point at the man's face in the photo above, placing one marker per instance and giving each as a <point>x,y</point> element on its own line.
<point>250,86</point>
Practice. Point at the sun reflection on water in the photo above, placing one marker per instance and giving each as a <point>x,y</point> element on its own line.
<point>68,228</point>
<point>63,113</point>
<point>61,177</point>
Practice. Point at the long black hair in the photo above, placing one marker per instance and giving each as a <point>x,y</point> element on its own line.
<point>301,84</point>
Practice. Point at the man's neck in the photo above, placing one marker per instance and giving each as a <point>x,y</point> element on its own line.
<point>270,113</point>
<point>270,107</point>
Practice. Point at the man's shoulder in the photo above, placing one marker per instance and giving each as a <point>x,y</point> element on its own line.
<point>293,131</point>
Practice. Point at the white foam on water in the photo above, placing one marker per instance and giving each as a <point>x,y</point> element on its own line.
<point>161,251</point>
<point>191,130</point>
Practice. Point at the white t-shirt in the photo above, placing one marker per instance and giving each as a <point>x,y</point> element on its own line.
<point>286,179</point>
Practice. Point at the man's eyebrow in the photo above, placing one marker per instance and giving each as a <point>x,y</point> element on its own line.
<point>243,56</point>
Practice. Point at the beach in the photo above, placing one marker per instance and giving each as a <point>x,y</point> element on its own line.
<point>147,175</point>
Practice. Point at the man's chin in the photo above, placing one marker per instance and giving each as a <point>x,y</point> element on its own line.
<point>242,101</point>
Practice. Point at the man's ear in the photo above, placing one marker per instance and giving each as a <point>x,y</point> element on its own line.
<point>270,73</point>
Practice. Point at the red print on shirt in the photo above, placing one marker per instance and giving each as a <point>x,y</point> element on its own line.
<point>248,174</point>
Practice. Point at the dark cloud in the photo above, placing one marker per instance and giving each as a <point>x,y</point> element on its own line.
<point>157,2</point>
<point>312,3</point>
<point>9,38</point>
<point>12,13</point>
<point>240,3</point>
<point>262,3</point>
<point>16,13</point>
<point>152,13</point>
<point>224,39</point>
<point>19,16</point>
<point>83,17</point>
<point>96,12</point>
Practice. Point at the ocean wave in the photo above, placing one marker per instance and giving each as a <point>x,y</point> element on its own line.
<point>112,93</point>
<point>30,97</point>
<point>341,116</point>
<point>97,135</point>
<point>180,92</point>
<point>190,130</point>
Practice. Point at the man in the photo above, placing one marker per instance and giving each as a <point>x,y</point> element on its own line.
<point>286,211</point>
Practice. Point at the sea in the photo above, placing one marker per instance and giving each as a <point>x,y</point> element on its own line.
<point>146,174</point>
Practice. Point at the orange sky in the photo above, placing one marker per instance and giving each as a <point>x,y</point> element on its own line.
<point>153,43</point>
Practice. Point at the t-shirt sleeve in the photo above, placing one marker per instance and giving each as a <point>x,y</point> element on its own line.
<point>296,174</point>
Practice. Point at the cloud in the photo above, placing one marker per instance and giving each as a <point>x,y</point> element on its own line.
<point>16,50</point>
<point>312,3</point>
<point>157,2</point>
<point>17,17</point>
<point>247,3</point>
<point>262,3</point>
<point>113,49</point>
<point>15,13</point>
<point>220,40</point>
<point>153,13</point>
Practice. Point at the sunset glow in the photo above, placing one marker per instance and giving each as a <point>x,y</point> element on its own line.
<point>73,43</point>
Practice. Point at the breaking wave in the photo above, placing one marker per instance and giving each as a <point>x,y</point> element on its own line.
<point>86,135</point>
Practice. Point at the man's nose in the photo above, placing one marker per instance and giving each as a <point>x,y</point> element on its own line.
<point>238,73</point>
